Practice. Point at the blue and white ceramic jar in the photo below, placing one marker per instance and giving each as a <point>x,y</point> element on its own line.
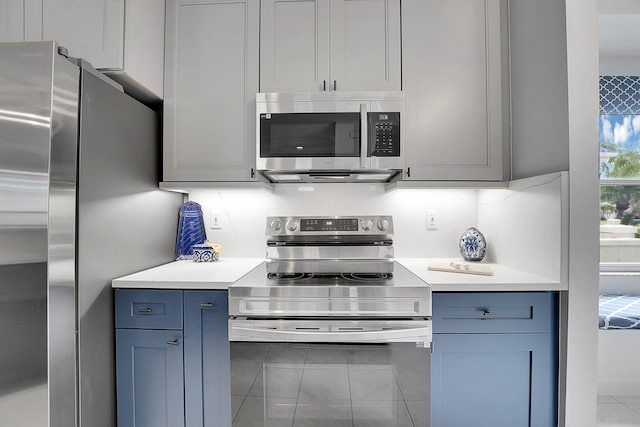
<point>473,247</point>
<point>204,253</point>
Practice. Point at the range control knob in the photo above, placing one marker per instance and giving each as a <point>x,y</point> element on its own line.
<point>292,225</point>
<point>366,224</point>
<point>383,224</point>
<point>276,225</point>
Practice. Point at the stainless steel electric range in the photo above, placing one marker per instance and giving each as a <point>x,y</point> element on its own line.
<point>330,329</point>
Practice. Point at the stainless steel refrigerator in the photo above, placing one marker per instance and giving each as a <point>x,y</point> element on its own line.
<point>79,206</point>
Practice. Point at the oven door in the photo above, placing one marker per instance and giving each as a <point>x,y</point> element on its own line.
<point>330,372</point>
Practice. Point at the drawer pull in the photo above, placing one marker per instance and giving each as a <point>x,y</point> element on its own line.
<point>489,313</point>
<point>173,342</point>
<point>206,305</point>
<point>145,310</point>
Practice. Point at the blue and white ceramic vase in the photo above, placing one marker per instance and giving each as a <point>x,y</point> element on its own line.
<point>190,230</point>
<point>473,247</point>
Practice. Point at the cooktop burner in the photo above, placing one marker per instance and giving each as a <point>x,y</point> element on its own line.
<point>362,277</point>
<point>259,277</point>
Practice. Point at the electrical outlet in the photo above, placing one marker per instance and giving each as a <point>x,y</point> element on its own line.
<point>432,220</point>
<point>215,220</point>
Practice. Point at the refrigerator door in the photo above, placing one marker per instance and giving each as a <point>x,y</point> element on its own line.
<point>61,260</point>
<point>37,209</point>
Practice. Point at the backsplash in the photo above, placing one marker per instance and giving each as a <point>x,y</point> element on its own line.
<point>522,225</point>
<point>243,214</point>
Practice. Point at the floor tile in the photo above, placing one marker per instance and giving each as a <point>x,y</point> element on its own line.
<point>373,383</point>
<point>617,415</point>
<point>242,379</point>
<point>281,380</point>
<point>286,354</point>
<point>320,413</point>
<point>259,412</point>
<point>245,354</point>
<point>627,399</point>
<point>606,399</point>
<point>325,384</point>
<point>381,414</point>
<point>327,355</point>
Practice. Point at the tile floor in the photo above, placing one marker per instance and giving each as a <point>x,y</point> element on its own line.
<point>618,411</point>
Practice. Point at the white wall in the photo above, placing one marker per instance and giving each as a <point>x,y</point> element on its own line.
<point>528,225</point>
<point>619,37</point>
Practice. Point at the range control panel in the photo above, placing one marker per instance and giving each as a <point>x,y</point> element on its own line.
<point>347,226</point>
<point>384,134</point>
<point>329,224</point>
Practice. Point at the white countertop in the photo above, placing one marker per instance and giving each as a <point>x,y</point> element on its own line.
<point>190,275</point>
<point>220,274</point>
<point>503,278</point>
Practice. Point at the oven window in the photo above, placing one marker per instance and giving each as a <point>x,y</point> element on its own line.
<point>277,384</point>
<point>310,135</point>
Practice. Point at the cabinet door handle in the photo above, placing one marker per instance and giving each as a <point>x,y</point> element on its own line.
<point>173,342</point>
<point>489,313</point>
<point>206,305</point>
<point>335,87</point>
<point>324,85</point>
<point>145,310</point>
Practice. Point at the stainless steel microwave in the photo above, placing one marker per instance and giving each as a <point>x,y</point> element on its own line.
<point>329,136</point>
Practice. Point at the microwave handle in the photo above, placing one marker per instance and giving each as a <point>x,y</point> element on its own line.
<point>364,137</point>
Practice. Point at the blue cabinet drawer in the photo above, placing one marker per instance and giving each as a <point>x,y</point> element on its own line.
<point>148,309</point>
<point>493,312</point>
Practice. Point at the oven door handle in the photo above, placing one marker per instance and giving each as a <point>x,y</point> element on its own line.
<point>419,334</point>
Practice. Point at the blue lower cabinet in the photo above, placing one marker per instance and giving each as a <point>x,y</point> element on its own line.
<point>174,370</point>
<point>206,356</point>
<point>150,387</point>
<point>503,376</point>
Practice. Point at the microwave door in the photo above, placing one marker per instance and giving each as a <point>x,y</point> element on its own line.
<point>310,141</point>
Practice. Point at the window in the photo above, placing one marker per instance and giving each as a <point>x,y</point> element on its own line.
<point>619,173</point>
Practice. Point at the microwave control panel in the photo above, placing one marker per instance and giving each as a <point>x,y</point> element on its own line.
<point>384,134</point>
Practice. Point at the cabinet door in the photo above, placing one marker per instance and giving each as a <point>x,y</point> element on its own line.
<point>365,45</point>
<point>211,78</point>
<point>149,378</point>
<point>294,45</point>
<point>11,20</point>
<point>504,380</point>
<point>451,66</point>
<point>207,363</point>
<point>92,30</point>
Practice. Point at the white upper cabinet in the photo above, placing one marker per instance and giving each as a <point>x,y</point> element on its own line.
<point>122,38</point>
<point>451,68</point>
<point>92,30</point>
<point>211,80</point>
<point>11,20</point>
<point>316,45</point>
